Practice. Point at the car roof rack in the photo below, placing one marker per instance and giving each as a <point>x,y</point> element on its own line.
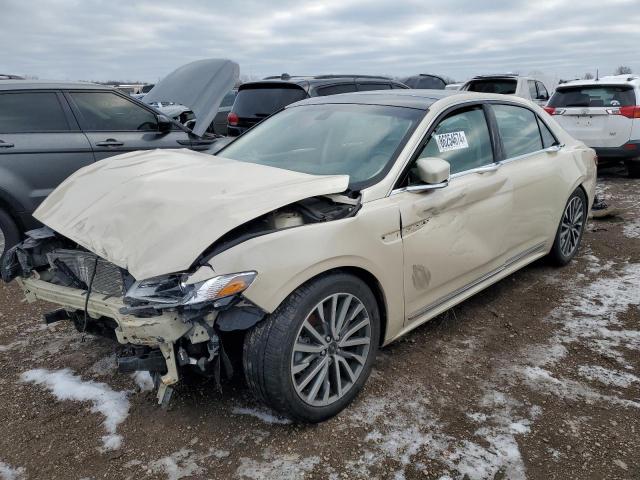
<point>504,75</point>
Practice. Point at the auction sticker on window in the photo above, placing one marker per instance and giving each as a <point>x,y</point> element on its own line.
<point>451,141</point>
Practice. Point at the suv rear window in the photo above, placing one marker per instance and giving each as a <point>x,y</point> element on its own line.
<point>425,81</point>
<point>31,112</point>
<point>593,96</point>
<point>262,102</point>
<point>505,86</point>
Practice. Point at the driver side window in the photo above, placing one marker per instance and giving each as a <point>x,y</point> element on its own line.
<point>462,139</point>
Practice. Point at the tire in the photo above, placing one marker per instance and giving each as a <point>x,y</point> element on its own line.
<point>269,356</point>
<point>571,229</point>
<point>633,168</point>
<point>9,233</point>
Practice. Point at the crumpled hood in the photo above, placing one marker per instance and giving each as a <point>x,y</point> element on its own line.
<point>200,85</point>
<point>154,212</point>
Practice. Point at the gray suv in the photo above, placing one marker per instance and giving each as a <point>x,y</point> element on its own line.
<point>50,130</point>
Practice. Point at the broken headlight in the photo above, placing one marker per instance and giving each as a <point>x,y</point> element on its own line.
<point>173,290</point>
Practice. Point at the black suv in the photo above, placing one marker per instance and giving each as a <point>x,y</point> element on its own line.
<point>50,130</point>
<point>257,100</point>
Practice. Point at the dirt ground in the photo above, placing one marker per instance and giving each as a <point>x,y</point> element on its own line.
<point>536,377</point>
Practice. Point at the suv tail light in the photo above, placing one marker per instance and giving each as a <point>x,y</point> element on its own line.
<point>630,111</point>
<point>232,119</point>
<point>554,111</point>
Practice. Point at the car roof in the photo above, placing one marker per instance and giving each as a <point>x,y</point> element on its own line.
<point>607,80</point>
<point>419,99</point>
<point>49,85</point>
<point>316,80</point>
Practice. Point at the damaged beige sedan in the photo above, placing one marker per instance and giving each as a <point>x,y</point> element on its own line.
<point>327,231</point>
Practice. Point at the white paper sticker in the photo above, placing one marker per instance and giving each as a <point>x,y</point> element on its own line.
<point>451,141</point>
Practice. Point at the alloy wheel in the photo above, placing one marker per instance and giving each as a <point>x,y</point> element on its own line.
<point>571,227</point>
<point>2,242</point>
<point>331,349</point>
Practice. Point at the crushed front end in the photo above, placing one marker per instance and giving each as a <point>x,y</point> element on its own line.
<point>169,324</point>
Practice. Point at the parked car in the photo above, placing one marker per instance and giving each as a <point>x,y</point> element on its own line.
<point>219,125</point>
<point>425,81</point>
<point>509,84</point>
<point>257,100</point>
<point>332,228</point>
<point>604,114</point>
<point>49,130</point>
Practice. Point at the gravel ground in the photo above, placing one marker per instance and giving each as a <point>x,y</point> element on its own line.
<point>536,377</point>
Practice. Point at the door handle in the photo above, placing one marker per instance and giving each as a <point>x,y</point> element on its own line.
<point>110,142</point>
<point>6,145</point>
<point>487,168</point>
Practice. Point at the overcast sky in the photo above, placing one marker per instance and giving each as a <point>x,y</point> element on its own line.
<point>127,40</point>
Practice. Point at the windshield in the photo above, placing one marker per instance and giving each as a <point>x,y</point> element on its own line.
<point>593,96</point>
<point>329,139</point>
<point>504,87</point>
<point>262,102</point>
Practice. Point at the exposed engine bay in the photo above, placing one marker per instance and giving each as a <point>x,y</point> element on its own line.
<point>168,325</point>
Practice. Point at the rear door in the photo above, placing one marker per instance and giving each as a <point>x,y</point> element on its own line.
<point>40,145</point>
<point>115,124</point>
<point>535,172</point>
<point>592,113</point>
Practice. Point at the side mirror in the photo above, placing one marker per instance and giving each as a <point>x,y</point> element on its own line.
<point>433,172</point>
<point>164,124</point>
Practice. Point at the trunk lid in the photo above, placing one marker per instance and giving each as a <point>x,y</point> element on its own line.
<point>155,212</point>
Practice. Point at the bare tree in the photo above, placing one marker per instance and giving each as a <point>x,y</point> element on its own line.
<point>588,76</point>
<point>623,70</point>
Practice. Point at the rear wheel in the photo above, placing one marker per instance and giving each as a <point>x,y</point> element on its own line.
<point>9,234</point>
<point>571,228</point>
<point>311,357</point>
<point>633,168</point>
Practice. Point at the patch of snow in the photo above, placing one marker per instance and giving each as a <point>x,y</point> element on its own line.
<point>7,472</point>
<point>632,229</point>
<point>262,414</point>
<point>606,376</point>
<point>282,467</point>
<point>143,380</point>
<point>64,385</point>
<point>184,463</point>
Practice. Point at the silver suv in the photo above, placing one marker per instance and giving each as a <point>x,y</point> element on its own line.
<point>509,84</point>
<point>604,114</point>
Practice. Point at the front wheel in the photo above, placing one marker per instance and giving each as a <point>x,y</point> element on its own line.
<point>571,228</point>
<point>311,357</point>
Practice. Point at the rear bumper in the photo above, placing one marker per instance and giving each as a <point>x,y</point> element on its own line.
<point>627,151</point>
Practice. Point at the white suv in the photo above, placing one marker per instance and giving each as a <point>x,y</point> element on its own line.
<point>604,114</point>
<point>509,84</point>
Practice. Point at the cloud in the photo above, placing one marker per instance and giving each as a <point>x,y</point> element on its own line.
<point>75,39</point>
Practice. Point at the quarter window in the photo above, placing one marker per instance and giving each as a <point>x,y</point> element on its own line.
<point>542,91</point>
<point>462,139</point>
<point>548,139</point>
<point>31,112</point>
<point>105,111</point>
<point>518,129</point>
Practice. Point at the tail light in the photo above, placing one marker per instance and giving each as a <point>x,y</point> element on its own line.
<point>630,111</point>
<point>232,119</point>
<point>630,146</point>
<point>554,111</point>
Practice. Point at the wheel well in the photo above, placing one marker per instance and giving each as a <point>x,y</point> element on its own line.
<point>373,283</point>
<point>6,207</point>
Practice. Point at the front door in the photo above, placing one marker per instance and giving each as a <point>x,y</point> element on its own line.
<point>114,124</point>
<point>453,237</point>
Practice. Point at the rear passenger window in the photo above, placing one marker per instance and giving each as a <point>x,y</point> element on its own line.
<point>365,87</point>
<point>532,89</point>
<point>518,129</point>
<point>104,111</point>
<point>31,112</point>
<point>463,140</point>
<point>548,140</point>
<point>542,91</point>
<point>336,89</point>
